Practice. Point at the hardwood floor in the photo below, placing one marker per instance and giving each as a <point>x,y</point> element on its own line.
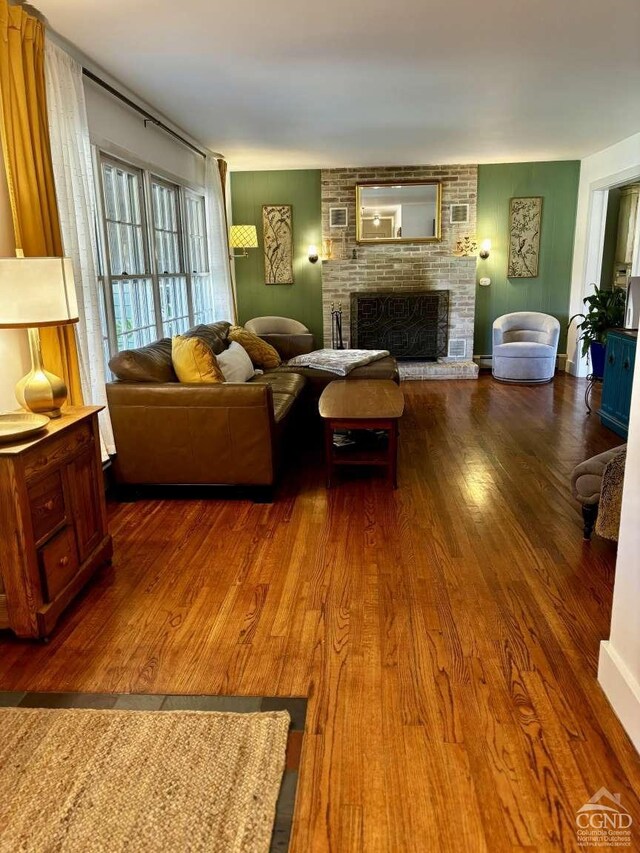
<point>446,633</point>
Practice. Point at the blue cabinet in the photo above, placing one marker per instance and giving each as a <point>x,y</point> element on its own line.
<point>618,379</point>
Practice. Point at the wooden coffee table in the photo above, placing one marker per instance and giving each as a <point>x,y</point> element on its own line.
<point>360,404</point>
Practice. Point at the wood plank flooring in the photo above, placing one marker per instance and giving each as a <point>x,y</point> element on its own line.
<point>446,634</point>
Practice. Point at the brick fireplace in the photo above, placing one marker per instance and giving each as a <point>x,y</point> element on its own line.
<point>402,267</point>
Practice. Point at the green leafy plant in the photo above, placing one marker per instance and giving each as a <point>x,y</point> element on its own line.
<point>605,311</point>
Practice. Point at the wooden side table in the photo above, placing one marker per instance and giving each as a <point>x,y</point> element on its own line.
<point>53,521</point>
<point>360,404</point>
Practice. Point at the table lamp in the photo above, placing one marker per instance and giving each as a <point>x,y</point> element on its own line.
<point>37,292</point>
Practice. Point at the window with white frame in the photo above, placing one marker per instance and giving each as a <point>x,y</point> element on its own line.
<point>154,264</point>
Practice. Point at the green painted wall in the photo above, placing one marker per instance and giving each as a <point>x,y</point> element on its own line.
<point>557,183</point>
<point>301,300</point>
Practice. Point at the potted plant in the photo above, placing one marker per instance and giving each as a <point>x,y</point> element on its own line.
<point>605,311</point>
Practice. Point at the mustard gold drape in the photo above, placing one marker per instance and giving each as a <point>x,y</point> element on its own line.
<point>27,155</point>
<point>222,168</point>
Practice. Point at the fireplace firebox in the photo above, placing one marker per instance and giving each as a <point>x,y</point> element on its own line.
<point>410,324</point>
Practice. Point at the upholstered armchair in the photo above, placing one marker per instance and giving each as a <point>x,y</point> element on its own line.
<point>289,337</point>
<point>525,346</point>
<point>586,484</point>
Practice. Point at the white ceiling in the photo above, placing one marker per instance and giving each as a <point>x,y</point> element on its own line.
<point>290,84</point>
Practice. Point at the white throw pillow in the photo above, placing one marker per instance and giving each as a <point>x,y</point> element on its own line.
<point>235,363</point>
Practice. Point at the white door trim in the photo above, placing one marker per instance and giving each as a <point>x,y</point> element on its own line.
<point>592,263</point>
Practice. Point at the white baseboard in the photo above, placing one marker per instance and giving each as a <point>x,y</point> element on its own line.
<point>621,689</point>
<point>571,367</point>
<point>483,360</point>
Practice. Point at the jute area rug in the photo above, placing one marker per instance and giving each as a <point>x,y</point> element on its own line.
<point>144,782</point>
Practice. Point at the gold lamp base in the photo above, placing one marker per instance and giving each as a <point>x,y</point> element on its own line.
<point>40,391</point>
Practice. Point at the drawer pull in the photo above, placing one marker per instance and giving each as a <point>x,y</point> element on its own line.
<point>611,358</point>
<point>49,505</point>
<point>63,561</point>
<point>627,364</point>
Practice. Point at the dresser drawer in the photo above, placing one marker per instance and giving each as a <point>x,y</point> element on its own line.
<point>46,501</point>
<point>57,451</point>
<point>58,562</point>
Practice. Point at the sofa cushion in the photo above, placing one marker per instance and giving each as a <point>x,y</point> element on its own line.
<point>151,363</point>
<point>383,368</point>
<point>262,354</point>
<point>194,362</point>
<point>214,334</point>
<point>282,383</point>
<point>524,349</point>
<point>235,363</point>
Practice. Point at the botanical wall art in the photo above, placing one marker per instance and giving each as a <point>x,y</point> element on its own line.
<point>277,224</point>
<point>467,247</point>
<point>525,216</point>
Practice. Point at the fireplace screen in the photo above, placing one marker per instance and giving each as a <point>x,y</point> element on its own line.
<point>413,324</point>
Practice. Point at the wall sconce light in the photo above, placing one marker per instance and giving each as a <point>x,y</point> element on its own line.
<point>243,237</point>
<point>376,220</point>
<point>313,254</point>
<point>485,249</point>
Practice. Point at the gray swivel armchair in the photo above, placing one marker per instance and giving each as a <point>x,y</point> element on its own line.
<point>525,346</point>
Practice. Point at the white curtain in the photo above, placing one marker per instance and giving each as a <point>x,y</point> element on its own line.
<point>223,300</point>
<point>75,193</point>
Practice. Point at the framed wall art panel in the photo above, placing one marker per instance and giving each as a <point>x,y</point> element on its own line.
<point>525,219</point>
<point>277,224</point>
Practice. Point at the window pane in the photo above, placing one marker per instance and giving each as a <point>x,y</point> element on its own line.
<point>134,312</point>
<point>175,292</point>
<point>109,191</point>
<point>123,220</point>
<point>174,305</point>
<point>202,299</point>
<point>165,228</point>
<point>196,233</point>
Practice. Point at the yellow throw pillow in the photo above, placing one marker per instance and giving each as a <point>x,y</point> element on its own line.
<point>261,353</point>
<point>194,362</point>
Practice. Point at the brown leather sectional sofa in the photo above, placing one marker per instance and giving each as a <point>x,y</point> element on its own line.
<point>233,433</point>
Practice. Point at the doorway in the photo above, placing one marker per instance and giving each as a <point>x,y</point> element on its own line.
<point>621,236</point>
<point>599,247</point>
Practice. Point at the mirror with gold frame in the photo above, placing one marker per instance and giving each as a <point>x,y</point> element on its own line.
<point>408,212</point>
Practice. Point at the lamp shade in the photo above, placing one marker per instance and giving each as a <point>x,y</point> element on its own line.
<point>243,237</point>
<point>37,292</point>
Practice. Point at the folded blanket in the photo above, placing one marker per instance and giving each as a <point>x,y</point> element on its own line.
<point>338,361</point>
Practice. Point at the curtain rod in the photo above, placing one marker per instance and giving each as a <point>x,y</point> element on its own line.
<point>147,116</point>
